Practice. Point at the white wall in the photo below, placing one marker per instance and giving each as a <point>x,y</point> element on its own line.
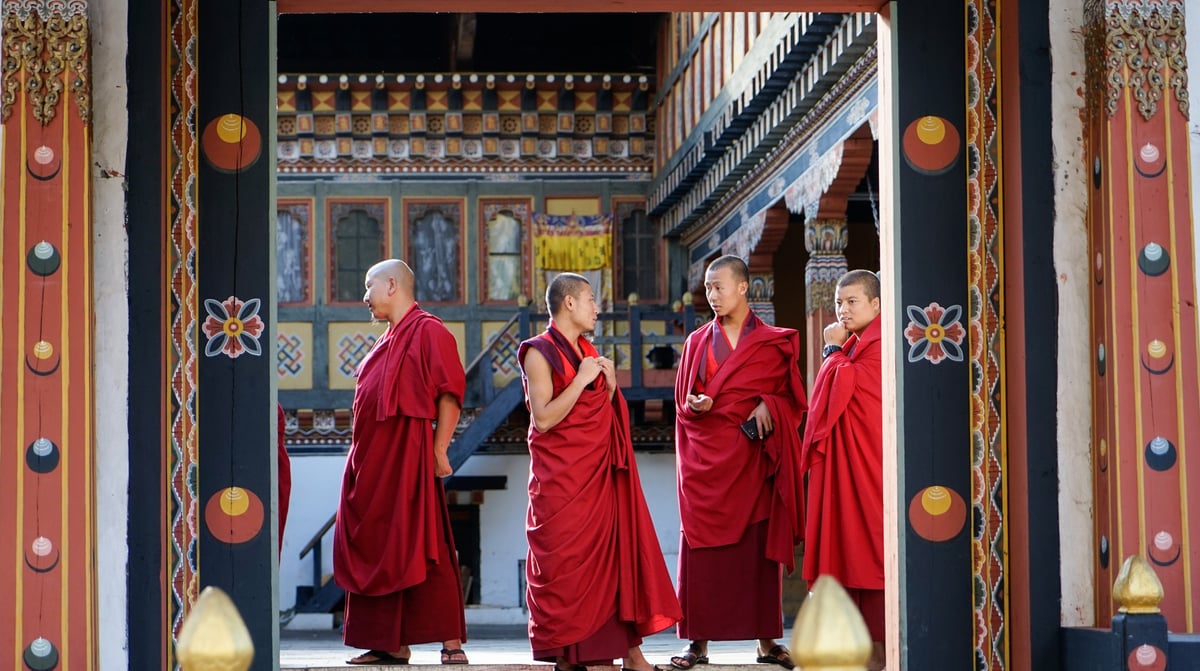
<point>316,484</point>
<point>316,481</point>
<point>110,135</point>
<point>1074,351</point>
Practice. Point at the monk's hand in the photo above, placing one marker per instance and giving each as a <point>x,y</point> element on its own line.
<point>762,417</point>
<point>441,465</point>
<point>589,369</point>
<point>610,371</point>
<point>699,402</point>
<point>836,334</point>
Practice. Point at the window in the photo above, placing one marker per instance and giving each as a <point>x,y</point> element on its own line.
<point>435,248</point>
<point>292,251</point>
<point>504,248</point>
<point>640,258</point>
<point>357,243</point>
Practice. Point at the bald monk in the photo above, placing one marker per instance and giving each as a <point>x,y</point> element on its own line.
<point>843,454</point>
<point>740,499</point>
<point>393,551</point>
<point>597,582</point>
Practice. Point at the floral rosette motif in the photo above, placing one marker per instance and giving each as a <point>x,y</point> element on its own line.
<point>935,333</point>
<point>233,327</point>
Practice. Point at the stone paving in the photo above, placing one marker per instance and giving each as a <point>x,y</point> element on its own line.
<point>498,648</point>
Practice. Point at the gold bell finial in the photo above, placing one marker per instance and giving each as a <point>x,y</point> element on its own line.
<point>214,636</point>
<point>1137,589</point>
<point>830,634</point>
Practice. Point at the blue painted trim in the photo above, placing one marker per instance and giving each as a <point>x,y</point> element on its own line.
<point>842,126</point>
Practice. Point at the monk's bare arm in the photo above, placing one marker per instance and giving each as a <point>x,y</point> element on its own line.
<point>447,419</point>
<point>545,409</point>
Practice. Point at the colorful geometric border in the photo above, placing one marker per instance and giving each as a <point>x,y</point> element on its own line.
<point>986,340</point>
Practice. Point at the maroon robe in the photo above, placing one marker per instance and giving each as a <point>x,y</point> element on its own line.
<point>393,551</point>
<point>843,450</point>
<point>284,470</point>
<point>740,500</point>
<point>596,577</point>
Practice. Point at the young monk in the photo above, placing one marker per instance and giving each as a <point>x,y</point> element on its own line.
<point>393,551</point>
<point>739,402</point>
<point>843,453</point>
<point>597,582</point>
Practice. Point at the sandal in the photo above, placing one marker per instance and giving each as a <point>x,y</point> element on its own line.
<point>689,658</point>
<point>448,656</point>
<point>378,658</point>
<point>778,655</point>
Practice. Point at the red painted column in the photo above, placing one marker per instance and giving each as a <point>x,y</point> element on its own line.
<point>1146,396</point>
<point>825,240</point>
<point>47,572</point>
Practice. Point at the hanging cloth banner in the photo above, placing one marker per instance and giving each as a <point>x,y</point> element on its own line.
<point>572,242</point>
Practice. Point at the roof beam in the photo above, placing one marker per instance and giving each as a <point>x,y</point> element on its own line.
<point>577,6</point>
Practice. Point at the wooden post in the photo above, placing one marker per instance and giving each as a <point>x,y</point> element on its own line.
<point>830,634</point>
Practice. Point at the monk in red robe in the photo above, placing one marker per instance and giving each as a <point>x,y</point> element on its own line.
<point>597,581</point>
<point>284,476</point>
<point>843,454</point>
<point>393,551</point>
<point>739,402</point>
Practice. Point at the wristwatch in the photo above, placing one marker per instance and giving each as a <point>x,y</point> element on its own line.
<point>830,349</point>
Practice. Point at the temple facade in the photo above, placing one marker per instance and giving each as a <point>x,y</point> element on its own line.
<point>185,225</point>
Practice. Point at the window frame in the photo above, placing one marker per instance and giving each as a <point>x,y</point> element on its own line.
<point>522,209</point>
<point>338,208</point>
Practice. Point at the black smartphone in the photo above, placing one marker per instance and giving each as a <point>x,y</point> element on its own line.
<point>750,428</point>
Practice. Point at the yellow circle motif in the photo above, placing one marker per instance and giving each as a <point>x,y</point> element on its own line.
<point>234,501</point>
<point>934,333</point>
<point>936,500</point>
<point>233,327</point>
<point>43,349</point>
<point>232,128</point>
<point>931,130</point>
<point>1157,349</point>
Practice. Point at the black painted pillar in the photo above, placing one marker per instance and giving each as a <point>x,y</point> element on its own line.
<point>235,338</point>
<point>927,309</point>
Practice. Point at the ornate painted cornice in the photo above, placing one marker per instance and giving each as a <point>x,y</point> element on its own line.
<point>680,205</point>
<point>465,124</point>
<point>46,52</point>
<point>794,145</point>
<point>1140,46</point>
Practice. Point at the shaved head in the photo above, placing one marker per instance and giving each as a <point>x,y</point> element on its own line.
<point>735,264</point>
<point>563,285</point>
<point>397,270</point>
<point>866,279</point>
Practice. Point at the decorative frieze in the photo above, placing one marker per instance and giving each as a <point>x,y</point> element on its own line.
<point>46,53</point>
<point>465,124</point>
<point>825,240</point>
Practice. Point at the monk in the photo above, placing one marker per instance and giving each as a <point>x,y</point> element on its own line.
<point>284,475</point>
<point>843,454</point>
<point>393,551</point>
<point>597,581</point>
<point>739,402</point>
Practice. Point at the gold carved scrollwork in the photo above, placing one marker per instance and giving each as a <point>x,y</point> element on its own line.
<point>46,55</point>
<point>1145,50</point>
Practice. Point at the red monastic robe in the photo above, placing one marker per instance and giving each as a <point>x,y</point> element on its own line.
<point>392,526</point>
<point>721,472</point>
<point>593,552</point>
<point>843,449</point>
<point>284,470</point>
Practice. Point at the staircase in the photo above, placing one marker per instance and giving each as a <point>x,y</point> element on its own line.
<point>494,391</point>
